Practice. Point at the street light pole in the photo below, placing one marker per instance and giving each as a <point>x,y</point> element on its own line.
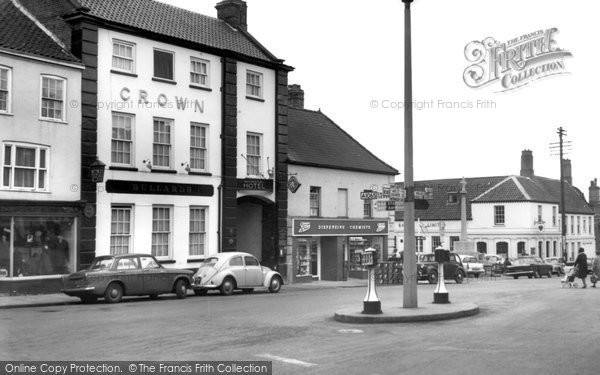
<point>410,264</point>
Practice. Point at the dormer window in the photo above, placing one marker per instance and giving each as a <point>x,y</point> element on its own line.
<point>452,198</point>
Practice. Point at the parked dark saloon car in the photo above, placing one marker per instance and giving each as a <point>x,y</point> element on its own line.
<point>427,268</point>
<point>529,266</point>
<point>115,276</point>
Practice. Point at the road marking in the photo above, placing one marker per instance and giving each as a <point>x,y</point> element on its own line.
<point>350,331</point>
<point>287,360</point>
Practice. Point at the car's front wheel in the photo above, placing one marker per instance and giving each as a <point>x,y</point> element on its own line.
<point>432,277</point>
<point>181,289</point>
<point>227,286</point>
<point>275,284</point>
<point>460,277</point>
<point>113,293</point>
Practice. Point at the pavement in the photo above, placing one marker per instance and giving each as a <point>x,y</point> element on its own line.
<point>391,314</point>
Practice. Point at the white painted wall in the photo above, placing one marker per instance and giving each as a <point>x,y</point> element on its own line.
<point>110,90</point>
<point>256,117</point>
<point>330,180</point>
<point>23,124</point>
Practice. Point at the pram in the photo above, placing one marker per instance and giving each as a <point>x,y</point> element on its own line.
<point>569,279</point>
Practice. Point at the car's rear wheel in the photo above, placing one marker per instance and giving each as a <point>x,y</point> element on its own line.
<point>88,299</point>
<point>275,284</point>
<point>227,286</point>
<point>200,292</point>
<point>460,277</point>
<point>432,277</point>
<point>113,293</point>
<point>181,288</point>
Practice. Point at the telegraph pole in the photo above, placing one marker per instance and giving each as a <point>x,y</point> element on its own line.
<point>410,263</point>
<point>563,216</point>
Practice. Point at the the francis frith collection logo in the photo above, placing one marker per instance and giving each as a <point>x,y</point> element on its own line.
<point>514,63</point>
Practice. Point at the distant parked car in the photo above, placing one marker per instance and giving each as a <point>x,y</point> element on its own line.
<point>227,272</point>
<point>472,266</point>
<point>558,267</point>
<point>427,269</point>
<point>492,259</point>
<point>529,266</point>
<point>115,276</point>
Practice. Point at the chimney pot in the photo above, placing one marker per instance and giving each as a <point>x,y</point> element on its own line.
<point>234,12</point>
<point>296,96</point>
<point>527,164</point>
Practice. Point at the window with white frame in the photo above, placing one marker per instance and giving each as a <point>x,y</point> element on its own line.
<point>198,147</point>
<point>540,213</point>
<point>163,64</point>
<point>199,72</point>
<point>315,201</point>
<point>197,231</point>
<point>5,89</point>
<point>53,98</point>
<point>584,225</point>
<point>572,224</point>
<point>122,139</point>
<point>25,167</point>
<point>254,82</point>
<point>578,224</point>
<point>368,209</point>
<point>161,230</point>
<point>120,229</point>
<point>123,57</point>
<point>161,148</point>
<point>499,215</point>
<point>554,216</point>
<point>253,154</point>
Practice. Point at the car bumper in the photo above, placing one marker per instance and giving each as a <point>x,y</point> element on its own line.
<point>80,291</point>
<point>519,273</point>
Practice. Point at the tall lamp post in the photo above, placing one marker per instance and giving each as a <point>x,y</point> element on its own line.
<point>410,264</point>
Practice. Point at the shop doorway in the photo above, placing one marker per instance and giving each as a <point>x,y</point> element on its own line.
<point>502,249</point>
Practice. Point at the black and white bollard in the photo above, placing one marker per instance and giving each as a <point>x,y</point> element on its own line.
<point>371,303</point>
<point>440,294</point>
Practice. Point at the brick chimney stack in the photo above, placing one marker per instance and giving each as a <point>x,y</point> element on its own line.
<point>566,164</point>
<point>527,164</point>
<point>594,192</point>
<point>296,96</point>
<point>234,12</point>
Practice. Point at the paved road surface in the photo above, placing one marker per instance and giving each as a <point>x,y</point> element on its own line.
<point>525,327</point>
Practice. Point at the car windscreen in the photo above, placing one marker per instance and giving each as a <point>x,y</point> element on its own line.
<point>102,263</point>
<point>469,260</point>
<point>523,261</point>
<point>428,258</point>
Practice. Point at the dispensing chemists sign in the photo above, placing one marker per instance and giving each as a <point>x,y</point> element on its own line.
<point>515,63</point>
<point>326,227</point>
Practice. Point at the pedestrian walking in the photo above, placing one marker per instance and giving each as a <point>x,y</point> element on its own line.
<point>581,264</point>
<point>595,269</point>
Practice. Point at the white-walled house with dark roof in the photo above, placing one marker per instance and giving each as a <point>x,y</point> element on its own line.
<point>328,222</point>
<point>40,128</point>
<point>508,216</point>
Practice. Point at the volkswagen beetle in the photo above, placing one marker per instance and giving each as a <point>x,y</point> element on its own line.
<point>229,271</point>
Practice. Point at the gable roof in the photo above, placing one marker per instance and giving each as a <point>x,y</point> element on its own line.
<point>541,190</point>
<point>315,140</point>
<point>170,21</point>
<point>497,189</point>
<point>439,207</point>
<point>20,33</point>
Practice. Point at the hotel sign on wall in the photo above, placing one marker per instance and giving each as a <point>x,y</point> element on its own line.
<point>255,184</point>
<point>339,227</point>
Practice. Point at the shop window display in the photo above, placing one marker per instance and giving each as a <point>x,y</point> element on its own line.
<point>39,246</point>
<point>307,261</point>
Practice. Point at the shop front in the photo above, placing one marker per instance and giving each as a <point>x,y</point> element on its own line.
<point>327,249</point>
<point>38,244</point>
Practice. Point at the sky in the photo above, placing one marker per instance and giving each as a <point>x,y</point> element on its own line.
<point>348,57</point>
